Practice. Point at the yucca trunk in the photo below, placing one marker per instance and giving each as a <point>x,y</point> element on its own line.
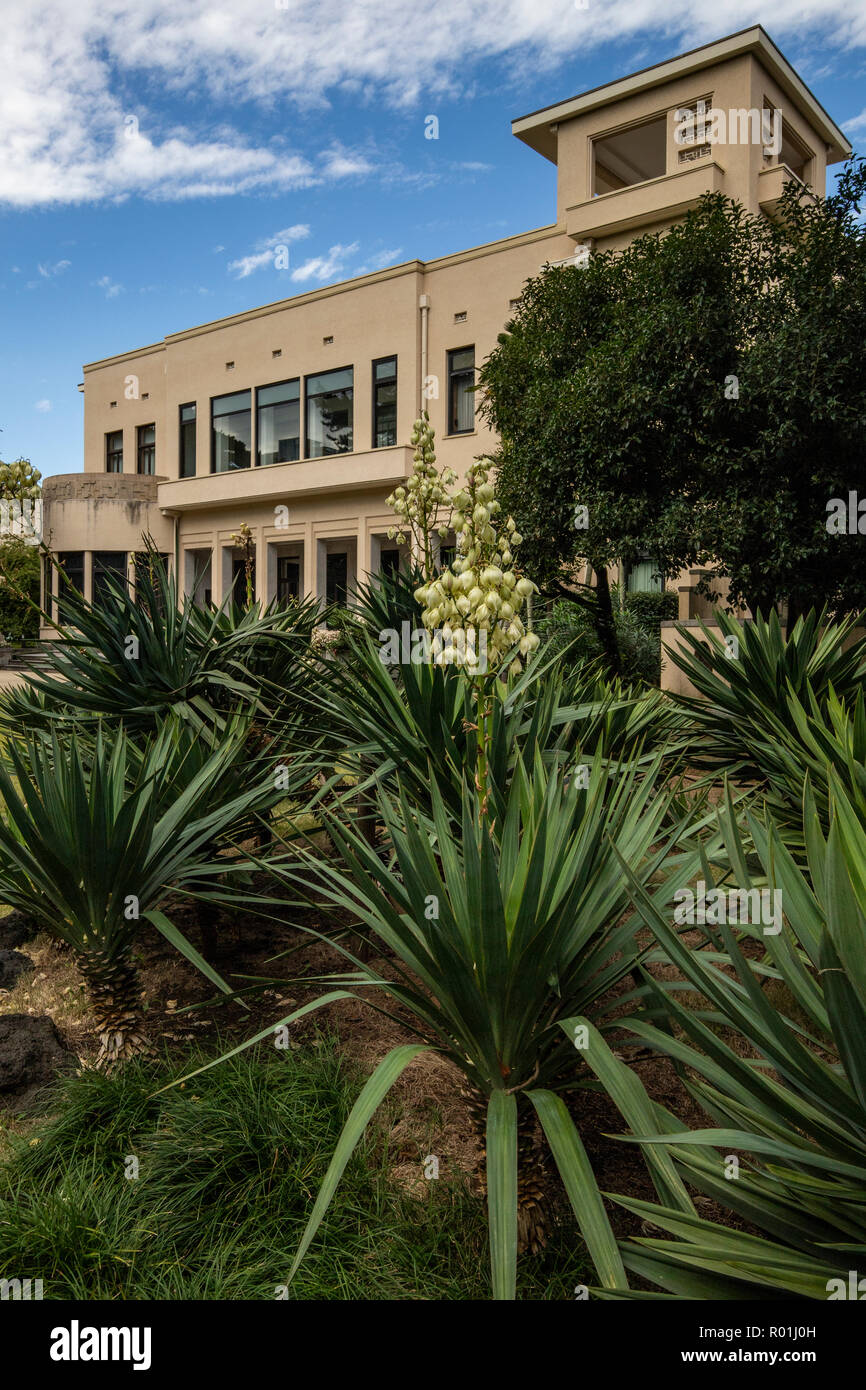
<point>534,1204</point>
<point>115,993</point>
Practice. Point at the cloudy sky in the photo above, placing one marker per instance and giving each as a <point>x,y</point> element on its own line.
<point>153,155</point>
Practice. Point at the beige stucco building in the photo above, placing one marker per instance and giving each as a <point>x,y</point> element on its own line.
<point>295,417</point>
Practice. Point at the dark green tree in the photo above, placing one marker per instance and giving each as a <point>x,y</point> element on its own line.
<point>19,590</point>
<point>701,395</point>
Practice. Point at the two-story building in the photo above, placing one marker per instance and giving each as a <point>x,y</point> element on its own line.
<point>295,417</point>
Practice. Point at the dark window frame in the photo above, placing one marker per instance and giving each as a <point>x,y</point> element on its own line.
<point>181,456</point>
<point>99,569</point>
<point>282,579</point>
<point>285,381</point>
<point>64,582</point>
<point>378,362</point>
<point>349,367</point>
<point>244,390</point>
<point>145,449</point>
<point>113,454</point>
<point>454,375</point>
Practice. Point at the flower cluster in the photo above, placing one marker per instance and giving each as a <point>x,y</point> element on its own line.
<point>479,596</point>
<point>420,503</point>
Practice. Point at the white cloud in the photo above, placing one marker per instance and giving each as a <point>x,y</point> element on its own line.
<point>858,123</point>
<point>267,251</point>
<point>112,289</point>
<point>66,69</point>
<point>43,406</point>
<point>342,164</point>
<point>325,267</point>
<point>47,271</point>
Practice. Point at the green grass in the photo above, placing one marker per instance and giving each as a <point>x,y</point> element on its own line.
<point>228,1168</point>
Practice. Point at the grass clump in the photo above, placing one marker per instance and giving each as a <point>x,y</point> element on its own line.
<point>228,1168</point>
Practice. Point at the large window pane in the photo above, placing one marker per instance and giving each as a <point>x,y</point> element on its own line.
<point>330,413</point>
<point>108,566</point>
<point>187,440</point>
<point>231,434</point>
<point>461,396</point>
<point>384,402</point>
<point>278,423</point>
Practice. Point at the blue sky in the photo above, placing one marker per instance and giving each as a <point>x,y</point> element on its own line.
<point>152,155</point>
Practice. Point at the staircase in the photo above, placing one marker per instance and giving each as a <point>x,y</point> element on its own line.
<point>25,658</point>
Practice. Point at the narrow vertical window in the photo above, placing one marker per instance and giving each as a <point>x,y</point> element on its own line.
<point>70,576</point>
<point>187,440</point>
<point>114,451</point>
<point>231,432</point>
<point>384,402</point>
<point>461,393</point>
<point>109,571</point>
<point>278,423</point>
<point>330,413</point>
<point>146,449</point>
<point>337,577</point>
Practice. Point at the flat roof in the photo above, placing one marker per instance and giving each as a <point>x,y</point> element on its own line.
<point>538,128</point>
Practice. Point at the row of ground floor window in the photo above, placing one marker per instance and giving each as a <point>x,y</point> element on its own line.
<point>209,576</point>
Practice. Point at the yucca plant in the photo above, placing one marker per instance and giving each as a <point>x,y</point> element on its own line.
<point>134,659</point>
<point>784,1079</point>
<point>95,833</point>
<point>748,676</point>
<point>504,953</point>
<point>414,717</point>
<point>819,738</point>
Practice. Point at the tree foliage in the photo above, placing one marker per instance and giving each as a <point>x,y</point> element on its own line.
<point>701,394</point>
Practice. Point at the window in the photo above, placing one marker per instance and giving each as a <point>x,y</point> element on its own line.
<point>337,577</point>
<point>794,153</point>
<point>630,156</point>
<point>187,440</point>
<point>114,452</point>
<point>330,413</point>
<point>231,428</point>
<point>288,578</point>
<point>461,393</point>
<point>146,449</point>
<point>109,568</point>
<point>278,422</point>
<point>389,563</point>
<point>239,579</point>
<point>643,577</point>
<point>145,563</point>
<point>70,576</point>
<point>384,402</point>
<point>47,578</point>
<point>447,556</point>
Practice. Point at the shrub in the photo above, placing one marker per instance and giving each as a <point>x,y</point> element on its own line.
<point>19,591</point>
<point>784,1079</point>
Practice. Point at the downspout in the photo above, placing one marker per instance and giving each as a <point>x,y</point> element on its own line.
<point>424,305</point>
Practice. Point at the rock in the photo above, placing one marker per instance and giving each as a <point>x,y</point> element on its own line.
<point>32,1052</point>
<point>12,965</point>
<point>16,928</point>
